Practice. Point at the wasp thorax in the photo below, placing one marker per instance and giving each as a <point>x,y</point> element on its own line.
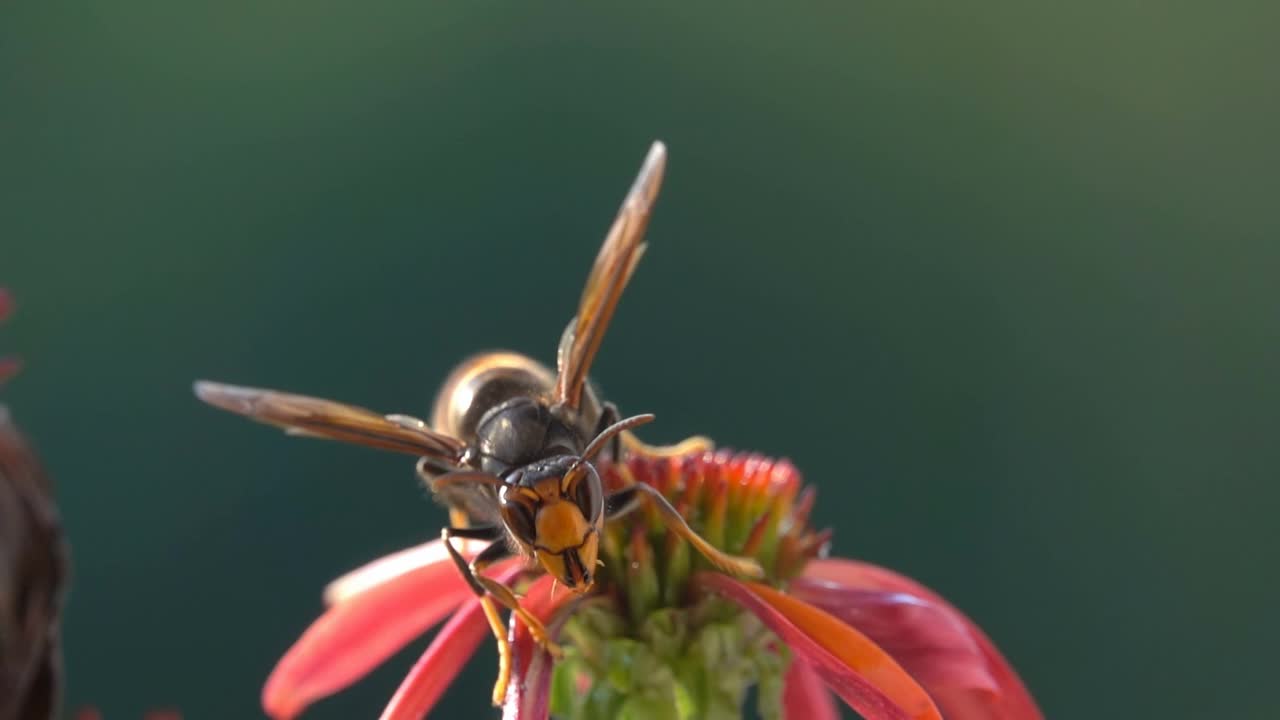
<point>523,433</point>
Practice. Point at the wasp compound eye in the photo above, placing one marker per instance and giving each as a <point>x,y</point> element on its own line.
<point>518,517</point>
<point>588,495</point>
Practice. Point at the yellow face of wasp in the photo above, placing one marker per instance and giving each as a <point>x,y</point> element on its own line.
<point>567,544</point>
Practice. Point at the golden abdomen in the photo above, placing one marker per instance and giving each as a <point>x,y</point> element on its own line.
<point>485,381</point>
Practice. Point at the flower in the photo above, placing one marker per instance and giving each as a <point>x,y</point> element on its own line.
<point>665,635</point>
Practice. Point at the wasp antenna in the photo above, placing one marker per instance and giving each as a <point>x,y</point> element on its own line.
<point>608,433</point>
<point>598,444</point>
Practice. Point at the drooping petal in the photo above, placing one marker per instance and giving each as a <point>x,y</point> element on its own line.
<point>949,654</point>
<point>529,694</point>
<point>354,636</point>
<point>805,696</point>
<point>447,655</point>
<point>853,666</point>
<point>930,641</point>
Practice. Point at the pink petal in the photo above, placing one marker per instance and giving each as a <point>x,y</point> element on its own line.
<point>529,694</point>
<point>853,666</point>
<point>805,696</point>
<point>942,648</point>
<point>355,636</point>
<point>930,641</point>
<point>448,653</point>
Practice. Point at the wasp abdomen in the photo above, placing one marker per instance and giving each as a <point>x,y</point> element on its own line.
<point>483,382</point>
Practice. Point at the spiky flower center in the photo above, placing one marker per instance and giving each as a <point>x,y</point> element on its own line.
<point>648,646</point>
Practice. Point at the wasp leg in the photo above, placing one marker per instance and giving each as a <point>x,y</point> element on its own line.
<point>508,599</point>
<point>688,446</point>
<point>488,590</point>
<point>624,501</point>
<point>479,532</point>
<point>459,517</point>
<point>470,574</point>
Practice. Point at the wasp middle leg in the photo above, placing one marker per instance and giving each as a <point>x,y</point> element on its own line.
<point>489,590</point>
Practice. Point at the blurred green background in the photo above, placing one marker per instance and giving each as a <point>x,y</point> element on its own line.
<point>999,277</point>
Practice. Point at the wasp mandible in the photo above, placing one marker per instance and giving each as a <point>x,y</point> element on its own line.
<point>511,447</point>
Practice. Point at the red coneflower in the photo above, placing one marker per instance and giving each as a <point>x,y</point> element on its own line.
<point>665,635</point>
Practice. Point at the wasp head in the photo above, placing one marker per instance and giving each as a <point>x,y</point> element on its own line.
<point>555,509</point>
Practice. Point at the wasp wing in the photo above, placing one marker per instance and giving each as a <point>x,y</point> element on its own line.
<point>314,417</point>
<point>617,259</point>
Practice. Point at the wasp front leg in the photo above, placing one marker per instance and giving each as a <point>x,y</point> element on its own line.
<point>488,590</point>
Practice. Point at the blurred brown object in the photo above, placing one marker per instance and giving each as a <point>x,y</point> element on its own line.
<point>33,572</point>
<point>8,365</point>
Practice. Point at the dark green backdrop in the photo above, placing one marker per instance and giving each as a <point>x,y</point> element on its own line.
<point>999,277</point>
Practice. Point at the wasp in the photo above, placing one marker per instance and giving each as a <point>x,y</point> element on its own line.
<point>512,447</point>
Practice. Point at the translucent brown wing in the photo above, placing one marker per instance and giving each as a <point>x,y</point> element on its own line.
<point>622,249</point>
<point>302,415</point>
